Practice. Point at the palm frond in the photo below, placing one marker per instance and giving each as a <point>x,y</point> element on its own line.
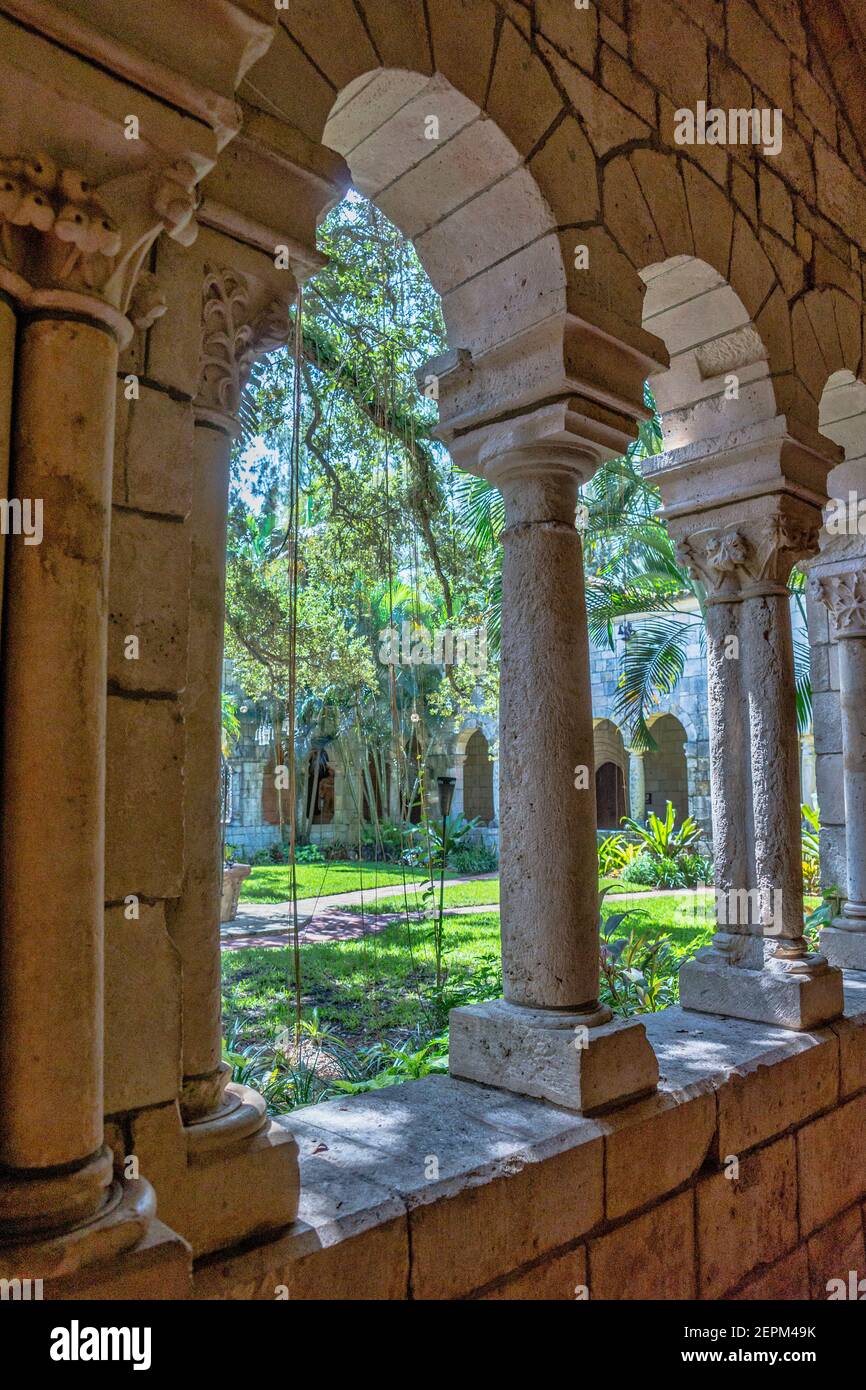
<point>653,663</point>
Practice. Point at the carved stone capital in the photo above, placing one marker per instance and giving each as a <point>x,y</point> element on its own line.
<point>235,331</point>
<point>62,236</point>
<point>754,557</point>
<point>843,592</point>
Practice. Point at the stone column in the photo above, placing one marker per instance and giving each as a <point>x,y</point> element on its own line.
<point>57,1171</point>
<point>808,771</point>
<point>70,258</point>
<point>234,333</point>
<point>730,787</point>
<point>637,784</point>
<point>843,590</point>
<point>7,375</point>
<point>549,1036</point>
<point>759,966</point>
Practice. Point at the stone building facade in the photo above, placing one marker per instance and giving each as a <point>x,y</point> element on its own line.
<point>164,170</point>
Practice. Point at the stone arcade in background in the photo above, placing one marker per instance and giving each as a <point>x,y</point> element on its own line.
<point>163,169</point>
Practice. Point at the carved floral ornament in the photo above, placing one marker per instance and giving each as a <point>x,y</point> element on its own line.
<point>233,336</point>
<point>845,596</point>
<point>735,562</point>
<point>58,231</point>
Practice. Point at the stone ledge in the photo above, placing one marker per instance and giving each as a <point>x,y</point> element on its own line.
<point>443,1188</point>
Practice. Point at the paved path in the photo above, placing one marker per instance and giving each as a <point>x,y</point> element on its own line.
<point>326,918</point>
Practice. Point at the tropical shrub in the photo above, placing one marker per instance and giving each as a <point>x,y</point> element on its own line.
<point>638,970</point>
<point>663,838</point>
<point>474,859</point>
<point>811,849</point>
<point>615,853</point>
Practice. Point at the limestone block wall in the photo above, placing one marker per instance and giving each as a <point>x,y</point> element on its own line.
<point>149,618</point>
<point>744,1178</point>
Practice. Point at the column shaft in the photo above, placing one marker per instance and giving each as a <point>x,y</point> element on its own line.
<point>195,921</point>
<point>730,788</point>
<point>637,784</point>
<point>548,840</point>
<point>8,323</point>
<point>852,695</point>
<point>768,657</point>
<point>54,674</point>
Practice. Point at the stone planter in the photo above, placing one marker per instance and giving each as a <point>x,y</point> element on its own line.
<point>233,877</point>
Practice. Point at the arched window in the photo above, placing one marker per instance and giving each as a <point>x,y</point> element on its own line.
<point>320,788</point>
<point>478,780</point>
<point>610,798</point>
<point>666,771</point>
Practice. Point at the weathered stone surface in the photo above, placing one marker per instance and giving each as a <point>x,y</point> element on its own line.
<point>652,1257</point>
<point>148,614</point>
<point>851,1033</point>
<point>562,1278</point>
<point>575,33</point>
<point>768,1095</point>
<point>153,452</point>
<point>521,1050</point>
<point>158,1268</point>
<point>522,99</point>
<point>142,1013</point>
<point>787,1280</point>
<point>669,50</point>
<point>841,195</point>
<point>748,1219</point>
<point>835,1250</point>
<point>786,1001</point>
<point>144,807</point>
<point>653,1147</point>
<point>831,1155</point>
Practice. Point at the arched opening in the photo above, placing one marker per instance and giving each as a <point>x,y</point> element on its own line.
<point>719,376</point>
<point>666,769</point>
<point>455,185</point>
<point>320,788</point>
<point>478,780</point>
<point>611,803</point>
<point>611,775</point>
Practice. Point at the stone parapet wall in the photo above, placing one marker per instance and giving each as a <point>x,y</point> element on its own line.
<point>744,1178</point>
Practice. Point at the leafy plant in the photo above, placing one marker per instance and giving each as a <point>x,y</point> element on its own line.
<point>474,859</point>
<point>810,844</point>
<point>664,838</point>
<point>638,971</point>
<point>615,853</point>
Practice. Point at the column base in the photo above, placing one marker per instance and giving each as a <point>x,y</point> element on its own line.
<point>583,1062</point>
<point>800,994</point>
<point>124,1221</point>
<point>844,944</point>
<point>224,1179</point>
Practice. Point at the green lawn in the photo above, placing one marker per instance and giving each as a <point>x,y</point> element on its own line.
<point>482,892</point>
<point>269,883</point>
<point>380,987</point>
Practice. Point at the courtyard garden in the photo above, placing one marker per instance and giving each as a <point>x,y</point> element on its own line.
<point>369,1007</point>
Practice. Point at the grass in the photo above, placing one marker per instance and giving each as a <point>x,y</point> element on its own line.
<point>483,892</point>
<point>270,883</point>
<point>380,987</point>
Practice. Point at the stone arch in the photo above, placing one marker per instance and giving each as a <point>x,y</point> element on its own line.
<point>500,207</point>
<point>661,208</point>
<point>666,767</point>
<point>711,337</point>
<point>478,796</point>
<point>458,188</point>
<point>611,774</point>
<point>843,419</point>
